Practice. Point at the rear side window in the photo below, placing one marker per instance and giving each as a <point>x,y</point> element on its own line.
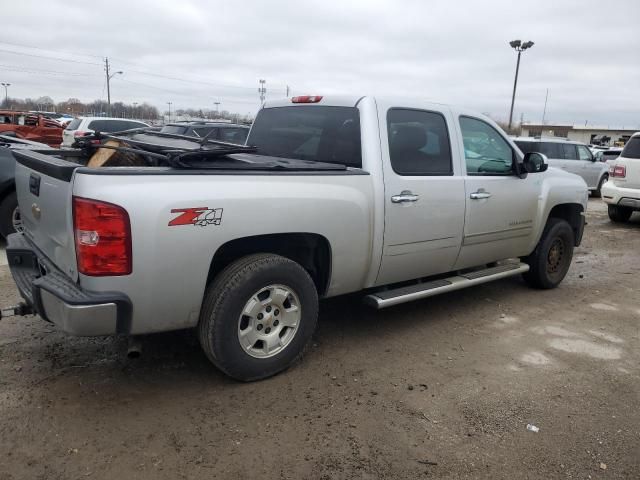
<point>315,133</point>
<point>418,143</point>
<point>632,148</point>
<point>569,151</point>
<point>109,126</point>
<point>234,135</point>
<point>74,124</point>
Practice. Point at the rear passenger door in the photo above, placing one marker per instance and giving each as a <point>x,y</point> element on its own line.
<point>424,194</point>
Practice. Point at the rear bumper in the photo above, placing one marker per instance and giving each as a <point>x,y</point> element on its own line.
<point>59,300</point>
<point>625,197</point>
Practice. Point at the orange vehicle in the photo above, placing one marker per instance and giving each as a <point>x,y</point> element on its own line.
<point>31,126</point>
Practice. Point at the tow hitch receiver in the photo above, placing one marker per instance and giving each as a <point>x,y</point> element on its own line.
<point>20,310</point>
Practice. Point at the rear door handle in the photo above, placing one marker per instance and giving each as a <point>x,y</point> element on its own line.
<point>405,196</point>
<point>480,194</point>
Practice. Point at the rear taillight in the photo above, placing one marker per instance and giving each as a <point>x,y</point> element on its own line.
<point>307,99</point>
<point>618,171</point>
<point>103,238</point>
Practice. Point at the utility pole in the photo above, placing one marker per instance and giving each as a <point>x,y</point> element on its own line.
<point>135,110</point>
<point>169,103</point>
<point>287,95</point>
<point>262,90</point>
<point>544,112</point>
<point>217,104</point>
<point>109,77</point>
<point>519,47</point>
<point>6,95</point>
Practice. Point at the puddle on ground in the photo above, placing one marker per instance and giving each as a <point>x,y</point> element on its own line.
<point>604,306</point>
<point>603,352</point>
<point>606,336</point>
<point>535,358</point>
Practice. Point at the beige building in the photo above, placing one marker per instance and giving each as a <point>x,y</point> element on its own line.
<point>579,133</point>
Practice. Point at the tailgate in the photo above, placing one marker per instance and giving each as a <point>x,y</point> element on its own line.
<point>43,186</point>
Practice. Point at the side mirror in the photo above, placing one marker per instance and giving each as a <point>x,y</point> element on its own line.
<point>535,162</point>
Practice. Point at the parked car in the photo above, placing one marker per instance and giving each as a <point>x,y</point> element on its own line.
<point>224,132</point>
<point>608,155</point>
<point>30,126</point>
<point>622,192</point>
<point>400,199</point>
<point>574,157</point>
<point>83,126</point>
<point>9,213</point>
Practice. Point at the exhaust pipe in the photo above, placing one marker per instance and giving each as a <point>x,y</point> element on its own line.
<point>134,349</point>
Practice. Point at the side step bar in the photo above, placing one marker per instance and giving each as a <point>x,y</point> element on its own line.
<point>388,298</point>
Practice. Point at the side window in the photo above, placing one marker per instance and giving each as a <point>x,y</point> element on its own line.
<point>203,132</point>
<point>584,153</point>
<point>418,143</point>
<point>569,151</point>
<point>486,151</point>
<point>233,135</point>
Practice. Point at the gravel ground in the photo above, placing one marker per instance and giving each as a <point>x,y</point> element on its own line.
<point>440,388</point>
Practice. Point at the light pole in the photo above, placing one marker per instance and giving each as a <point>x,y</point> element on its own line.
<point>217,104</point>
<point>519,47</point>
<point>135,110</point>
<point>262,90</point>
<point>169,103</point>
<point>6,95</point>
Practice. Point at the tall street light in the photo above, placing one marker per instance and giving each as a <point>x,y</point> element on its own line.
<point>6,95</point>
<point>217,104</point>
<point>519,47</point>
<point>169,103</point>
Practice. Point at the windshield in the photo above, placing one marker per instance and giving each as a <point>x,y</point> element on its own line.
<point>319,134</point>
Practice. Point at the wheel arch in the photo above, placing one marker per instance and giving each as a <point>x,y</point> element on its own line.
<point>311,250</point>
<point>573,213</point>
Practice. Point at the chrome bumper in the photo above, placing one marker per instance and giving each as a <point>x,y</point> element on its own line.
<point>57,299</point>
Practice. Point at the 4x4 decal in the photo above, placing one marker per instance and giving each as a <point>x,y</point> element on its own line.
<point>201,216</point>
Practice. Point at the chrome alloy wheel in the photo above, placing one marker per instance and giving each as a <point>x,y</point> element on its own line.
<point>269,321</point>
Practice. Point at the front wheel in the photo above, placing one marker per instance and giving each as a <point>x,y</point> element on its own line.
<point>550,261</point>
<point>597,193</point>
<point>258,316</point>
<point>619,214</point>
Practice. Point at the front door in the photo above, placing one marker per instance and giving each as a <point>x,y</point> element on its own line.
<point>424,194</point>
<point>590,167</point>
<point>501,207</point>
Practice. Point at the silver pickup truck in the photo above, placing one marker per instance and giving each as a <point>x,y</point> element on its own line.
<point>398,199</point>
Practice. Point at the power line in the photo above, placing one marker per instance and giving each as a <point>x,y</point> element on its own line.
<point>22,69</point>
<point>49,50</point>
<point>13,52</point>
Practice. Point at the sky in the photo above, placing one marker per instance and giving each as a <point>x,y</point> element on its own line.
<point>193,53</point>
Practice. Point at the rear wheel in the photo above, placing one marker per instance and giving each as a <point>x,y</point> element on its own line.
<point>550,261</point>
<point>603,180</point>
<point>258,316</point>
<point>618,213</point>
<point>10,220</point>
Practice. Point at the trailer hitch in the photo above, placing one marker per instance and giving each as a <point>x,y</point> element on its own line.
<point>19,310</point>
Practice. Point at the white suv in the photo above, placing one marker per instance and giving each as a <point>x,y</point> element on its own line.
<point>80,127</point>
<point>622,191</point>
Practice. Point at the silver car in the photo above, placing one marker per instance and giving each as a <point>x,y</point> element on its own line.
<point>574,157</point>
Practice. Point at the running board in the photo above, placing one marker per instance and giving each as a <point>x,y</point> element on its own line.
<point>388,298</point>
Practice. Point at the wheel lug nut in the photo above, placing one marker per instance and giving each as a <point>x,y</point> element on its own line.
<point>276,312</point>
<point>259,327</point>
<point>275,323</point>
<point>267,330</point>
<point>260,316</point>
<point>268,309</point>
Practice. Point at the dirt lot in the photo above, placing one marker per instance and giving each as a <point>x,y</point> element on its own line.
<point>441,388</point>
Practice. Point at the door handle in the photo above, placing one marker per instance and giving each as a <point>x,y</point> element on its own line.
<point>405,196</point>
<point>480,194</point>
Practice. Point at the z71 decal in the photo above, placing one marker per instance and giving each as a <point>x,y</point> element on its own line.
<point>201,216</point>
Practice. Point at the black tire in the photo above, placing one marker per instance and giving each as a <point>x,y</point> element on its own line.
<point>597,193</point>
<point>7,207</point>
<point>224,301</point>
<point>619,214</point>
<point>550,261</point>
